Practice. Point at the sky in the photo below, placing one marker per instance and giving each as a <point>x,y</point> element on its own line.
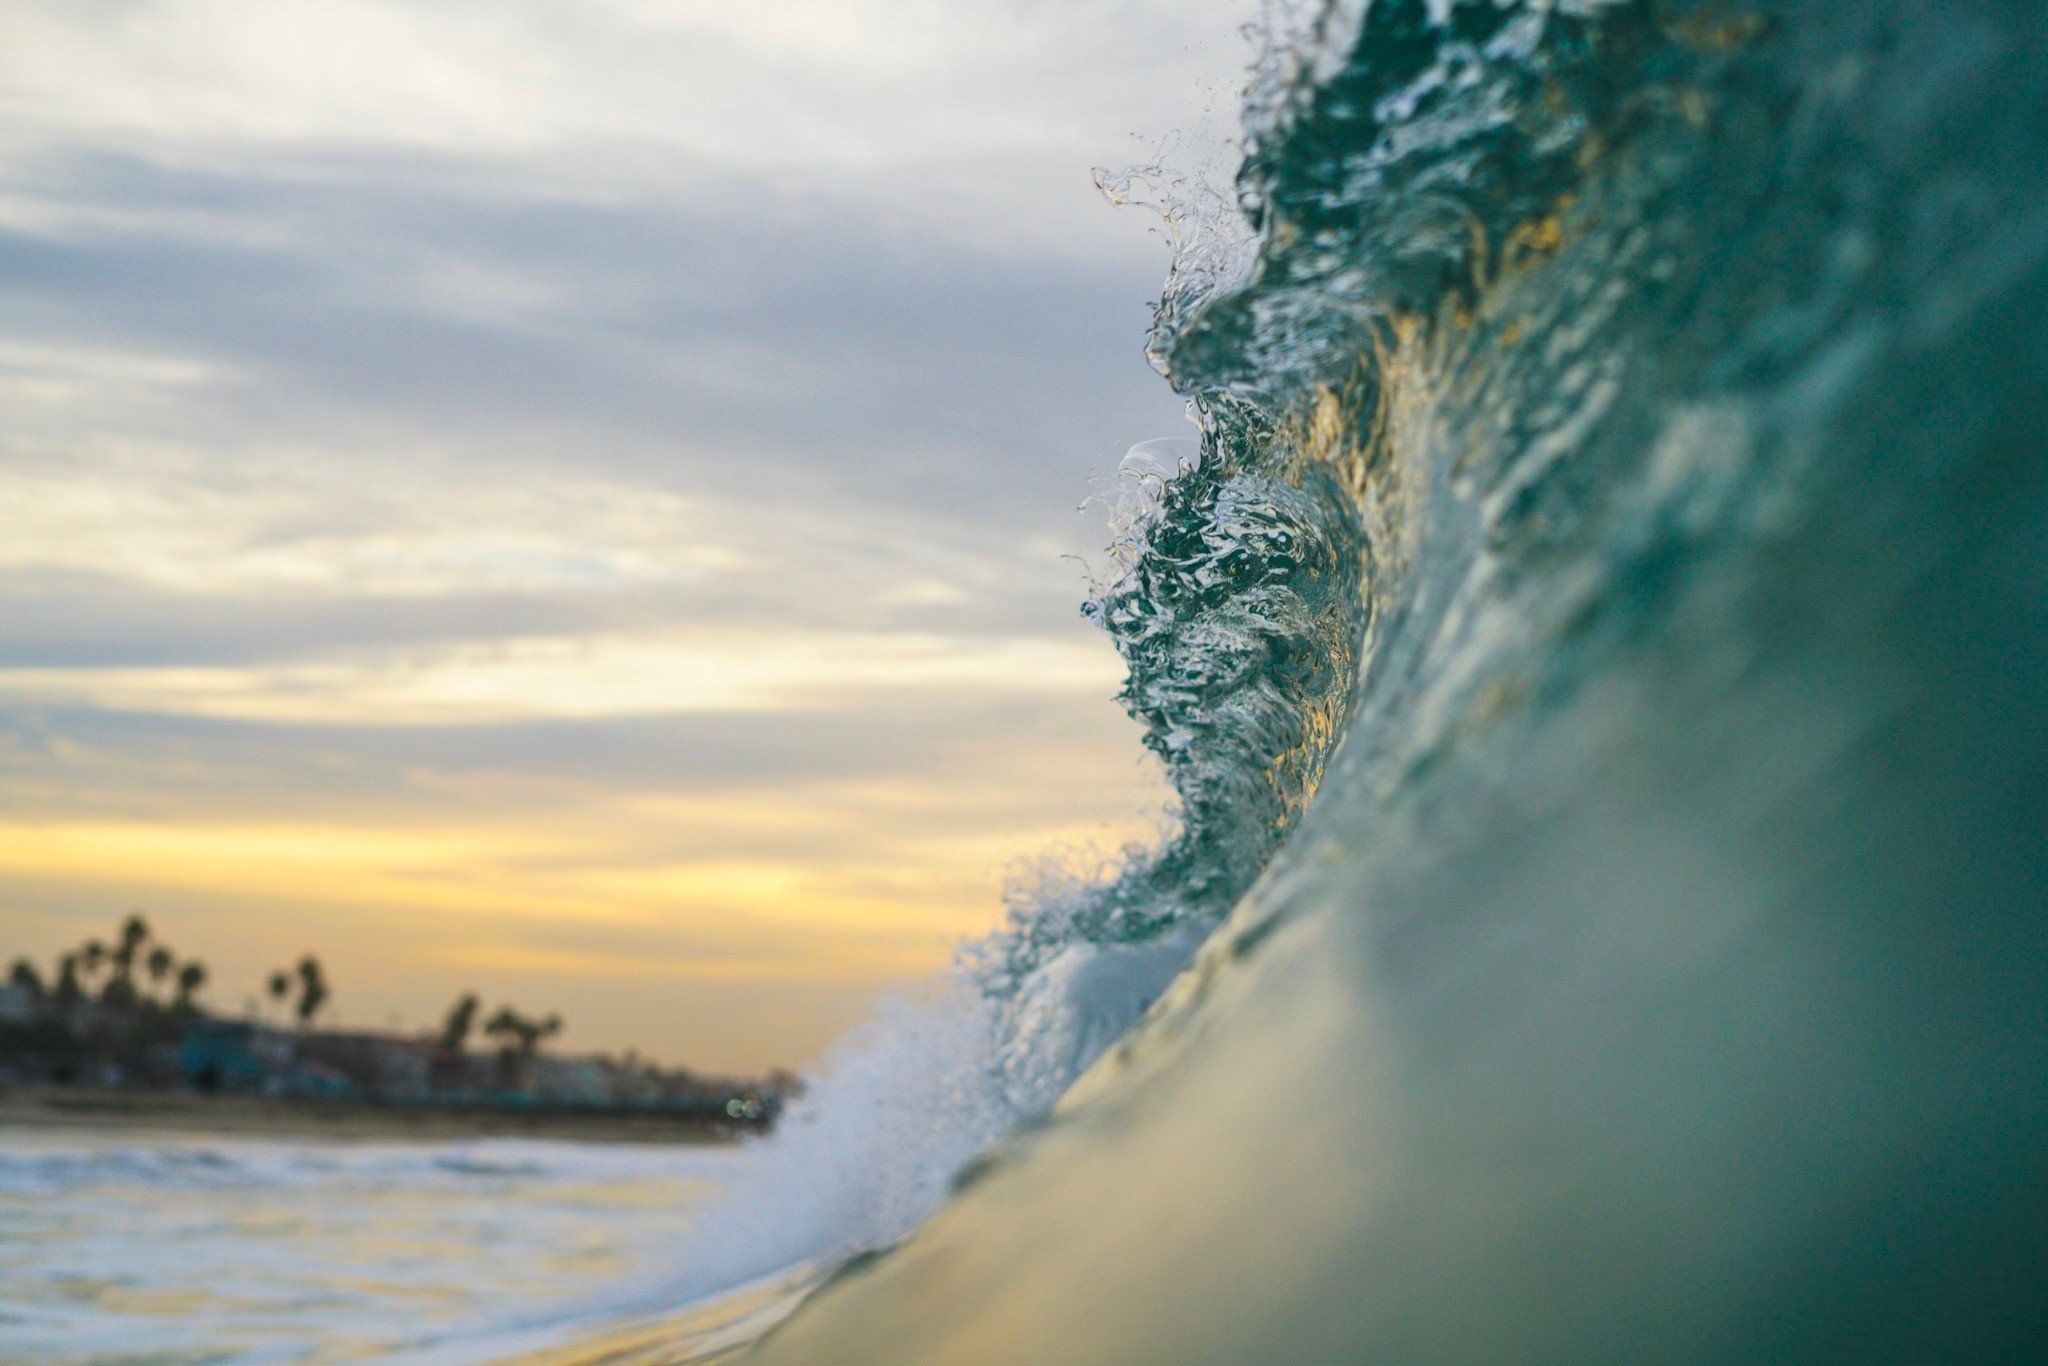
<point>572,499</point>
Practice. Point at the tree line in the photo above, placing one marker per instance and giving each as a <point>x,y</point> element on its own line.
<point>137,972</point>
<point>119,974</point>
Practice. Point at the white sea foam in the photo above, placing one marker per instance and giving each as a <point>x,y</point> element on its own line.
<point>898,1109</point>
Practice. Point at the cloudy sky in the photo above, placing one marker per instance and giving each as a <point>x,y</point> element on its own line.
<point>567,498</point>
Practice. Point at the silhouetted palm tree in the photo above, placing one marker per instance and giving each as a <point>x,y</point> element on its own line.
<point>24,975</point>
<point>191,978</point>
<point>91,959</point>
<point>520,1034</point>
<point>505,1024</point>
<point>461,1019</point>
<point>312,989</point>
<point>134,934</point>
<point>159,964</point>
<point>521,1038</point>
<point>68,990</point>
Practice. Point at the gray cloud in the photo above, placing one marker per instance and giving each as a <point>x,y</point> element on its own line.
<point>754,345</point>
<point>152,763</point>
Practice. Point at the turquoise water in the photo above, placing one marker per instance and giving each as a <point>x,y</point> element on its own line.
<point>1601,641</point>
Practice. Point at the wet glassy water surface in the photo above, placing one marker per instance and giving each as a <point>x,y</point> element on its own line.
<point>186,1249</point>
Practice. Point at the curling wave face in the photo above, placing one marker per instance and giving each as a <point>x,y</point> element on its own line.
<point>1600,643</point>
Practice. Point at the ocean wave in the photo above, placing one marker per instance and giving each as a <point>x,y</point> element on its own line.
<point>1598,645</point>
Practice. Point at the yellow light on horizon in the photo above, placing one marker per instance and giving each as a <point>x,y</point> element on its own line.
<point>584,678</point>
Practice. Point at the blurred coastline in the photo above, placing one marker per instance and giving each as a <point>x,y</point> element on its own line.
<point>116,1036</point>
<point>169,1112</point>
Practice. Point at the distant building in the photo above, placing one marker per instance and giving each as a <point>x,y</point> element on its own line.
<point>317,1081</point>
<point>573,1081</point>
<point>226,1055</point>
<point>405,1070</point>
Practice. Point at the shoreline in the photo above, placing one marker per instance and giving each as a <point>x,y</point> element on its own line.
<point>100,1110</point>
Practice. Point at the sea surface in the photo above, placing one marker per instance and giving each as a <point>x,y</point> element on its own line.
<point>139,1248</point>
<point>1597,629</point>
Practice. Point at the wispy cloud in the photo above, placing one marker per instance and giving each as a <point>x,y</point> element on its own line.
<point>583,678</point>
<point>958,113</point>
